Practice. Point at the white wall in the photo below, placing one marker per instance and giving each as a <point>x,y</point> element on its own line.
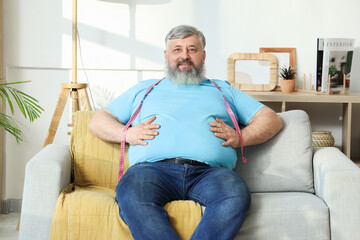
<point>122,43</point>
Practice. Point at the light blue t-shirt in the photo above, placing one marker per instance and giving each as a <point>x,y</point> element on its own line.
<point>184,113</point>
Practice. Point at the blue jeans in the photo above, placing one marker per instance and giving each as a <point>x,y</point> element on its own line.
<point>146,187</point>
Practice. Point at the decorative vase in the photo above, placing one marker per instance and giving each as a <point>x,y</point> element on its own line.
<point>287,85</point>
<point>322,139</point>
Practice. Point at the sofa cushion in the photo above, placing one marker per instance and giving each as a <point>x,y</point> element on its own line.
<point>291,215</point>
<point>284,163</point>
<point>93,213</point>
<point>95,162</point>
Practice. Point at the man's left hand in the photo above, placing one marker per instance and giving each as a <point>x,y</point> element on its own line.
<point>224,131</point>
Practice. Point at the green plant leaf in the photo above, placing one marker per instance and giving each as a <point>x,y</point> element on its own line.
<point>4,93</point>
<point>11,126</point>
<point>27,105</point>
<point>287,72</point>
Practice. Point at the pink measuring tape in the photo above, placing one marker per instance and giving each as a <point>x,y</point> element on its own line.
<point>123,136</point>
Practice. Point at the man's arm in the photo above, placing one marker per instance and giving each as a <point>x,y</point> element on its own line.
<point>262,126</point>
<point>107,127</point>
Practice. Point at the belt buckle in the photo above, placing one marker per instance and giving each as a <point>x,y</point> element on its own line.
<point>193,162</point>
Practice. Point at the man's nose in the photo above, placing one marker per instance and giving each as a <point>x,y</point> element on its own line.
<point>185,54</point>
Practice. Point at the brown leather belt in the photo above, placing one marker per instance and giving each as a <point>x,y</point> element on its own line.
<point>185,161</point>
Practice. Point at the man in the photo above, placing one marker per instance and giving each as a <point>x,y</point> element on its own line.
<point>182,144</point>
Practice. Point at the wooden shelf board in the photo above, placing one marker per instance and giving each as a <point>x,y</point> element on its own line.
<point>275,96</point>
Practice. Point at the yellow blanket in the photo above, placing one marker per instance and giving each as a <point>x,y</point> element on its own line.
<point>87,209</point>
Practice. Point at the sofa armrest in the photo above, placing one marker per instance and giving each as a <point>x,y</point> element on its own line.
<point>46,174</point>
<point>337,182</point>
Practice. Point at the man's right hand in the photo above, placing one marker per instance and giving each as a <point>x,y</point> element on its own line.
<point>107,127</point>
<point>143,131</point>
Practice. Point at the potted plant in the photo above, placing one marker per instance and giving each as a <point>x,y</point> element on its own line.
<point>28,106</point>
<point>287,81</point>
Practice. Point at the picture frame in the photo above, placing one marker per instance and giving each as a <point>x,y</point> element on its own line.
<point>252,71</point>
<point>285,56</point>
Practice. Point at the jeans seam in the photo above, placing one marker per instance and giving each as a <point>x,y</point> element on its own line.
<point>184,182</point>
<point>198,200</point>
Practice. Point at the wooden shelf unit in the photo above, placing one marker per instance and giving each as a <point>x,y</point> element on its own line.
<point>345,99</point>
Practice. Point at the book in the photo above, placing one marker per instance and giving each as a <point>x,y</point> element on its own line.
<point>319,62</point>
<point>336,62</point>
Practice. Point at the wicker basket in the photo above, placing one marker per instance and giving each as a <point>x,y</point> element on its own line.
<point>322,139</point>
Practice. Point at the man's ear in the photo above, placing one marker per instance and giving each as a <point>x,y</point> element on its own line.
<point>165,55</point>
<point>204,55</point>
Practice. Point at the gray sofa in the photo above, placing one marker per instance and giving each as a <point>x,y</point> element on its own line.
<point>296,193</point>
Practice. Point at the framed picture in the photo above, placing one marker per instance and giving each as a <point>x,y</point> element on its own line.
<point>285,56</point>
<point>252,71</point>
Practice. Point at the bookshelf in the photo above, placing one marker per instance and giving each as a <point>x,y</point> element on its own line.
<point>347,100</point>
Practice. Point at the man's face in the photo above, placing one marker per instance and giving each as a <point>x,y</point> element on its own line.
<point>185,53</point>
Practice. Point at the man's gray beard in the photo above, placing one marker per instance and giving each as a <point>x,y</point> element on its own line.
<point>194,77</point>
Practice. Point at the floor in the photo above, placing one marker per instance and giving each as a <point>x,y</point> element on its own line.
<point>8,223</point>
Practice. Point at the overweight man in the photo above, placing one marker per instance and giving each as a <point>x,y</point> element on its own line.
<point>183,143</point>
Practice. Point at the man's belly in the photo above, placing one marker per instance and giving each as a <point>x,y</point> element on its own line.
<point>186,138</point>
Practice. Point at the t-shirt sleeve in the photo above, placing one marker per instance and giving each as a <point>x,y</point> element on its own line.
<point>123,106</point>
<point>245,105</point>
<point>120,107</point>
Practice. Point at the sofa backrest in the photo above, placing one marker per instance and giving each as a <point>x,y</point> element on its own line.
<point>284,163</point>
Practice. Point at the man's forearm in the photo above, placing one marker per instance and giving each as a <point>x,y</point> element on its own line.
<point>106,127</point>
<point>263,126</point>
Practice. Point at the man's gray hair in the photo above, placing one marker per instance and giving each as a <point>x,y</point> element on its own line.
<point>184,31</point>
